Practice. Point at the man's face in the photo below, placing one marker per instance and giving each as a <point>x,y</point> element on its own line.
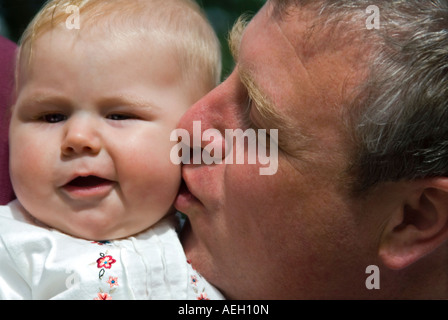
<point>90,134</point>
<point>284,235</point>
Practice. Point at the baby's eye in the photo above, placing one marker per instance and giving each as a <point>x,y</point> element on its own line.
<point>118,117</point>
<point>54,117</point>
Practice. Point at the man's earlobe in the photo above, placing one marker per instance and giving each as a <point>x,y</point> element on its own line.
<point>419,226</point>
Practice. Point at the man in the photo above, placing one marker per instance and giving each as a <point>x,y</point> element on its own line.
<point>358,207</point>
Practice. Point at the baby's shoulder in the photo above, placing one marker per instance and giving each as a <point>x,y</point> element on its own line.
<point>19,230</point>
<point>15,214</point>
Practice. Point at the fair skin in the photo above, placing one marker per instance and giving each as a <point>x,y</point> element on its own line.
<point>89,133</point>
<point>300,233</point>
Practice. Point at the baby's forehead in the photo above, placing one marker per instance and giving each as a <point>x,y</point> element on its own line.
<point>178,25</point>
<point>123,23</point>
<point>56,40</point>
<point>115,15</point>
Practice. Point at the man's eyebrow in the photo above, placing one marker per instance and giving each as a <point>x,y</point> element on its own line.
<point>261,102</point>
<point>235,36</point>
<point>297,141</point>
<point>264,105</point>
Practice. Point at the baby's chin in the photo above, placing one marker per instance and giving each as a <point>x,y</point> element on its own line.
<point>94,223</point>
<point>109,233</point>
<point>100,231</point>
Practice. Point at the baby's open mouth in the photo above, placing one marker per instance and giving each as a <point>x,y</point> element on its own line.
<point>89,187</point>
<point>88,182</point>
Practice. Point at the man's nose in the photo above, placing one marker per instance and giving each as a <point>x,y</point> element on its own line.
<point>81,136</point>
<point>217,111</point>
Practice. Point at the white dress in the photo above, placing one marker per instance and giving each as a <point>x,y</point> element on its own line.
<point>37,262</point>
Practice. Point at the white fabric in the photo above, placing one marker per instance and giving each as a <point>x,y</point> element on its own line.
<point>37,262</point>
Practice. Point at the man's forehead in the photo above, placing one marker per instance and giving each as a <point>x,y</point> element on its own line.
<point>303,74</point>
<point>321,46</point>
<point>251,44</point>
<point>269,50</point>
<point>290,35</point>
<point>259,48</point>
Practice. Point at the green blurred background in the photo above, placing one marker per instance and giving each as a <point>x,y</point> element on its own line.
<point>16,14</point>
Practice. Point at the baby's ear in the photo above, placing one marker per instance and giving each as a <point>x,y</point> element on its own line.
<point>417,227</point>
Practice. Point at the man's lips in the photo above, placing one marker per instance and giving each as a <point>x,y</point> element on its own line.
<point>184,190</point>
<point>185,198</point>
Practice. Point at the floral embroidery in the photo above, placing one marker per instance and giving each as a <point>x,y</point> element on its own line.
<point>105,261</point>
<point>197,284</point>
<point>203,296</point>
<point>103,296</point>
<point>100,243</point>
<point>194,280</point>
<point>113,281</point>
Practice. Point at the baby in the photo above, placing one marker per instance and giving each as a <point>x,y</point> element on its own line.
<point>100,85</point>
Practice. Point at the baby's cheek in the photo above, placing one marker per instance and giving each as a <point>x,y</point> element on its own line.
<point>147,175</point>
<point>25,167</point>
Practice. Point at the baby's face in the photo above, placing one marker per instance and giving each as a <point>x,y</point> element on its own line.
<point>90,134</point>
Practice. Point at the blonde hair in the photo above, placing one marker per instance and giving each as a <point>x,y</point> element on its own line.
<point>179,23</point>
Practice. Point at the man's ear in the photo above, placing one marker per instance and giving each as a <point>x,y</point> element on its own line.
<point>418,226</point>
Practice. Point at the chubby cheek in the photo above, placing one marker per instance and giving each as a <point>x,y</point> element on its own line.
<point>148,179</point>
<point>30,167</point>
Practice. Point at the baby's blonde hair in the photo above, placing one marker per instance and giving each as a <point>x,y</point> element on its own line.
<point>178,23</point>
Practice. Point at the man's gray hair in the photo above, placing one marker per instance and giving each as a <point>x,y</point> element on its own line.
<point>400,120</point>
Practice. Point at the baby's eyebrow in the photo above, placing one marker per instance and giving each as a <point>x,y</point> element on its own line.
<point>125,100</point>
<point>45,99</point>
<point>54,99</point>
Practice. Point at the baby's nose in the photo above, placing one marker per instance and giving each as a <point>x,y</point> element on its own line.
<point>80,137</point>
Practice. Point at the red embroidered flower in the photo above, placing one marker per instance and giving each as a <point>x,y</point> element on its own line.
<point>106,262</point>
<point>113,281</point>
<point>100,243</point>
<point>203,296</point>
<point>103,296</point>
